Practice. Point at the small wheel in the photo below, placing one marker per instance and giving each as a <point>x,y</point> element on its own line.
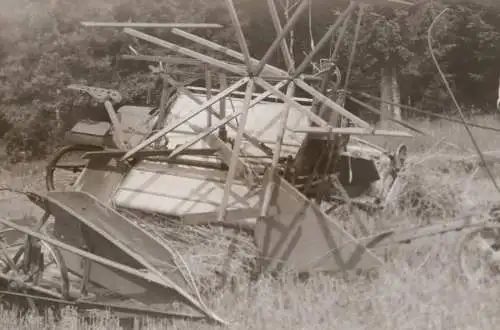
<point>479,256</point>
<point>69,161</point>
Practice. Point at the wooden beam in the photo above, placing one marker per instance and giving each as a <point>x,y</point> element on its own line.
<point>208,87</point>
<point>222,106</point>
<point>236,151</point>
<point>176,60</point>
<point>269,188</point>
<point>178,123</point>
<point>152,25</point>
<point>117,125</point>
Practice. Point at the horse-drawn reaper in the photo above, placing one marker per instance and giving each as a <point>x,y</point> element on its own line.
<point>270,162</point>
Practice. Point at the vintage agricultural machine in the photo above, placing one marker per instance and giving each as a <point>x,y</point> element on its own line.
<point>270,162</point>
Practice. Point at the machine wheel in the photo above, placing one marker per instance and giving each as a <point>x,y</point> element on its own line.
<point>68,160</point>
<point>479,255</point>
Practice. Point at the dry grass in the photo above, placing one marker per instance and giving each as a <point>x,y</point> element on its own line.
<point>418,288</point>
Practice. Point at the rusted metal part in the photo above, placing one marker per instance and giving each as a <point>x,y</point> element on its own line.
<point>148,272</point>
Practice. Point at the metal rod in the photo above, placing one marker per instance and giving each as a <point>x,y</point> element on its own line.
<point>277,42</point>
<point>326,37</point>
<point>153,25</point>
<point>333,105</point>
<point>287,55</point>
<point>178,123</point>
<point>236,151</point>
<point>372,109</point>
<point>430,113</point>
<point>201,57</point>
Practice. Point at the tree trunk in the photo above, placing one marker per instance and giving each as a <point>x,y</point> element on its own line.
<point>396,95</point>
<point>386,96</point>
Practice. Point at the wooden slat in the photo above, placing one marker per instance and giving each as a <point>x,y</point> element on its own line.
<point>349,130</point>
<point>152,25</point>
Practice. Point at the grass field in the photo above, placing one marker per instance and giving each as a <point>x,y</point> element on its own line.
<point>418,288</point>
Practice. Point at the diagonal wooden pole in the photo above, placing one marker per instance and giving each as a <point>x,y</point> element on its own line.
<point>224,50</point>
<point>239,34</point>
<point>236,151</point>
<point>222,106</point>
<point>201,135</point>
<point>208,87</point>
<point>178,123</point>
<point>290,64</point>
<point>187,52</point>
<point>287,55</point>
<point>315,118</point>
<point>277,42</point>
<point>269,188</point>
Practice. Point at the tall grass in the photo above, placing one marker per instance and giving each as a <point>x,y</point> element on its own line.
<point>419,287</point>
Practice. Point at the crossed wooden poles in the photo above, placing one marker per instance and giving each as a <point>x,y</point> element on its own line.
<point>253,72</point>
